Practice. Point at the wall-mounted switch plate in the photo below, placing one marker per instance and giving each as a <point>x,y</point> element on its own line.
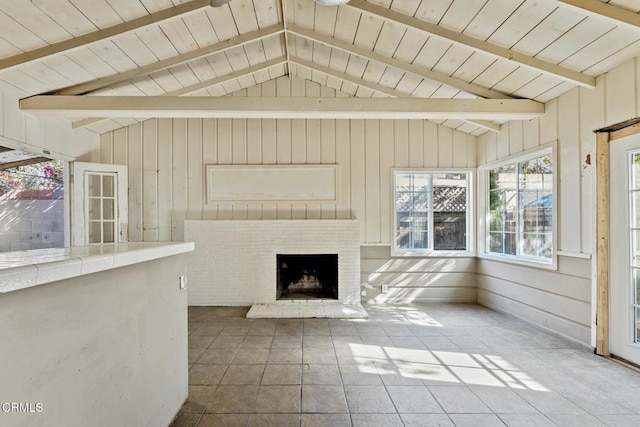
<point>363,293</point>
<point>183,282</point>
<point>385,289</point>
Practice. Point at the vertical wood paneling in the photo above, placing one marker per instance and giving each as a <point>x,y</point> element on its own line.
<point>472,151</point>
<point>531,134</point>
<point>445,147</point>
<point>516,137</point>
<point>254,141</point>
<point>459,149</point>
<point>313,145</point>
<point>372,180</point>
<point>503,146</point>
<point>298,144</point>
<point>136,224</point>
<point>401,143</point>
<point>568,160</point>
<point>416,140</point>
<point>328,156</point>
<point>549,122</point>
<point>106,148</point>
<point>430,144</point>
<point>165,178</point>
<point>621,93</point>
<point>358,175</point>
<point>268,135</point>
<point>179,175</point>
<point>209,157</point>
<point>592,116</point>
<point>283,138</point>
<point>120,144</point>
<point>195,176</point>
<point>224,142</point>
<point>386,163</point>
<point>343,158</point>
<point>150,180</point>
<point>239,141</point>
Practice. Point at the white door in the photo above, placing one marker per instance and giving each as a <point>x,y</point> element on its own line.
<point>624,250</point>
<point>100,206</point>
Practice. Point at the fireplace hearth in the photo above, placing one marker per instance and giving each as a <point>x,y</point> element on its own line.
<point>307,276</point>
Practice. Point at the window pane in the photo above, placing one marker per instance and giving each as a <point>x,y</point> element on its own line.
<point>93,182</point>
<point>636,285</point>
<point>108,227</point>
<point>94,209</point>
<point>450,211</point>
<point>635,171</point>
<point>496,243</point>
<point>637,322</point>
<point>535,200</point>
<point>412,204</point>
<point>95,235</point>
<point>635,248</point>
<point>108,206</point>
<point>635,209</point>
<point>107,185</point>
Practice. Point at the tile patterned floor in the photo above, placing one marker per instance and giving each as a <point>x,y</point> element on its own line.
<point>412,365</point>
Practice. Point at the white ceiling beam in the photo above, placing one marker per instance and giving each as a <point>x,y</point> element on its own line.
<point>349,78</point>
<point>377,87</point>
<point>199,86</point>
<point>103,34</point>
<point>92,86</point>
<point>392,62</point>
<point>286,33</point>
<point>486,124</point>
<point>606,11</point>
<point>455,37</point>
<point>288,108</point>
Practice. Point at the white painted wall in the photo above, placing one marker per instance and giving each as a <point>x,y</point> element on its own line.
<point>167,158</point>
<point>105,349</point>
<point>561,301</point>
<point>31,224</point>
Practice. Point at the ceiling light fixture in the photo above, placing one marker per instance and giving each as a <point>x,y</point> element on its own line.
<point>331,2</point>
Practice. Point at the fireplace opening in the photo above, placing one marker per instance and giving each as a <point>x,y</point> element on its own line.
<point>307,276</point>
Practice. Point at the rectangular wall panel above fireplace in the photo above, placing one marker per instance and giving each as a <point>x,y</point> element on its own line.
<point>236,261</point>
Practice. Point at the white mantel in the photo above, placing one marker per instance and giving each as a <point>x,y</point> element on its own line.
<point>235,260</point>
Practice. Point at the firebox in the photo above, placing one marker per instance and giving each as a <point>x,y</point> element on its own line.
<point>306,276</point>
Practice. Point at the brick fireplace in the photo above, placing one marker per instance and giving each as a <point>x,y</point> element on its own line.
<point>236,261</point>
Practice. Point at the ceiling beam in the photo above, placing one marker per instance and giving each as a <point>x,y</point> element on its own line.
<point>92,86</point>
<point>23,162</point>
<point>288,108</point>
<point>606,11</point>
<point>455,37</point>
<point>103,34</point>
<point>199,86</point>
<point>283,7</point>
<point>392,62</point>
<point>377,87</point>
<point>486,124</point>
<point>349,78</point>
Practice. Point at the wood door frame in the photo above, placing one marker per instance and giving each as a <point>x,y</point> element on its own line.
<point>604,137</point>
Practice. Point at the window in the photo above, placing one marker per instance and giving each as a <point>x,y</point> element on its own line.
<point>520,214</point>
<point>431,211</point>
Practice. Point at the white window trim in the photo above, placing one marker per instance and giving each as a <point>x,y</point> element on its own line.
<point>471,215</point>
<point>483,202</point>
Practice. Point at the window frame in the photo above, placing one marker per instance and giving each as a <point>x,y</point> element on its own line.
<point>470,219</point>
<point>483,209</point>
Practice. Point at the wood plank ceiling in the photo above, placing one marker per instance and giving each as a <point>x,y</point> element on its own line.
<point>530,49</point>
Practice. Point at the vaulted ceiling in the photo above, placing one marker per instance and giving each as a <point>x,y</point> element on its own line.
<point>493,60</point>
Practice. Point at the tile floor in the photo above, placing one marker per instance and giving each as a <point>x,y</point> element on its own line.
<point>413,365</point>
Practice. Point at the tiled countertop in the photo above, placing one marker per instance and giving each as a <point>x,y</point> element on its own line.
<point>24,269</point>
